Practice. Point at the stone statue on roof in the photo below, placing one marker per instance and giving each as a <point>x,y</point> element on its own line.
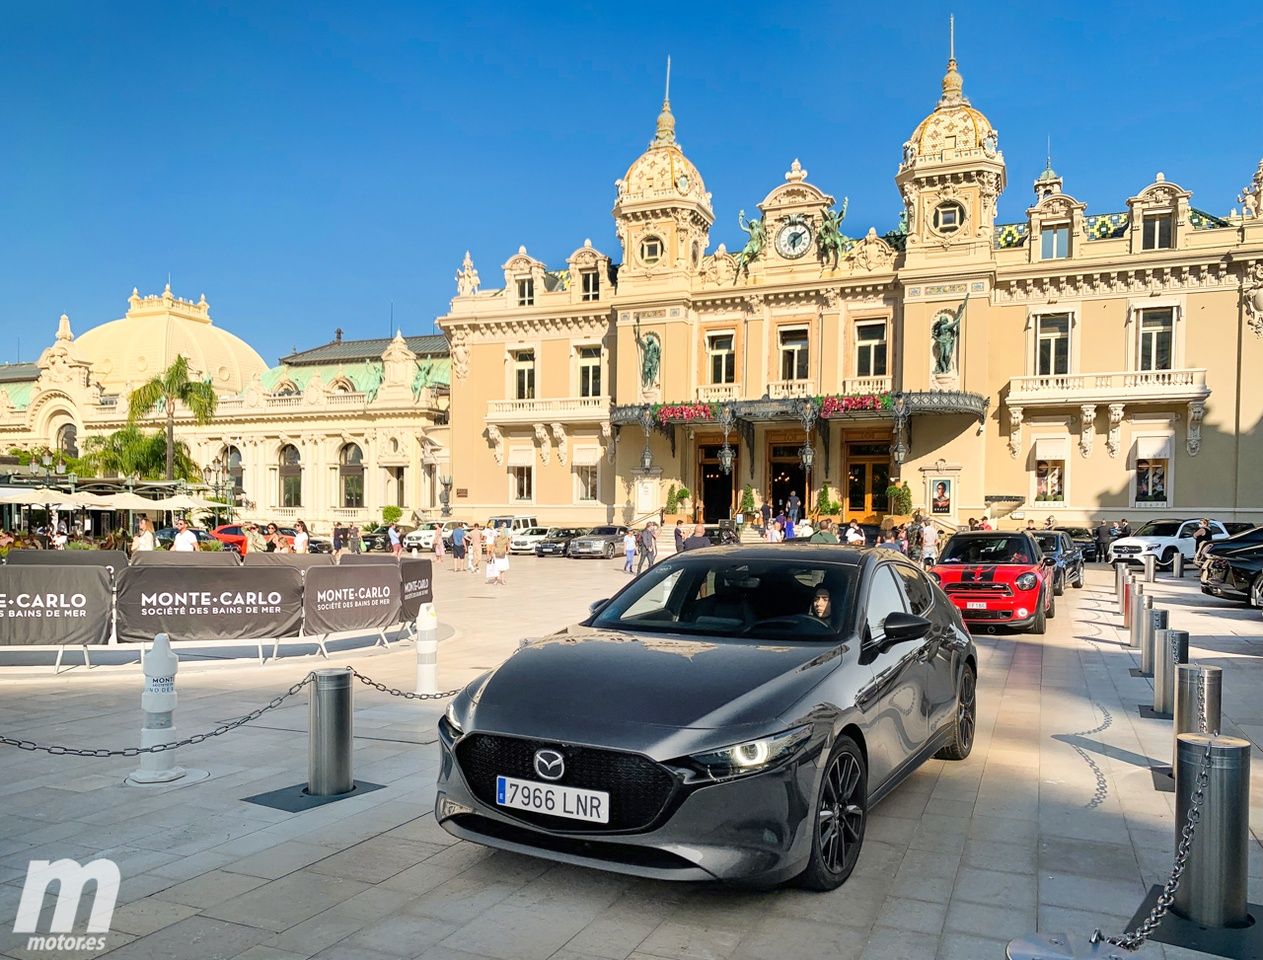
<point>753,249</point>
<point>467,278</point>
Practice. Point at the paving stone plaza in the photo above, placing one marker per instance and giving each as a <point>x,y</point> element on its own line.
<point>1052,824</point>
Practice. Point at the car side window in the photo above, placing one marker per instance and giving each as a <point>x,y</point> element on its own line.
<point>920,596</point>
<point>1187,530</point>
<point>884,598</point>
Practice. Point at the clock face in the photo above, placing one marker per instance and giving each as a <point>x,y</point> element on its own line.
<point>794,239</point>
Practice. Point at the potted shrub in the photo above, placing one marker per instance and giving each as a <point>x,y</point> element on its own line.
<point>746,507</point>
<point>682,495</point>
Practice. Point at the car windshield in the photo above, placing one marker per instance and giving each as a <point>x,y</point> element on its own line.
<point>603,531</point>
<point>988,549</point>
<point>1159,528</point>
<point>535,532</point>
<point>722,597</point>
<point>1048,542</point>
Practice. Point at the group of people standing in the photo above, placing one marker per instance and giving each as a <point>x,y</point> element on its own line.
<point>477,549</point>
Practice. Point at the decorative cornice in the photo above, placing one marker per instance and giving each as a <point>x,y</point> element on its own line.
<point>1085,283</point>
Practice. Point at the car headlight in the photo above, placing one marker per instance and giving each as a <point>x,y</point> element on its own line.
<point>753,755</point>
<point>451,717</point>
<point>1026,581</point>
<point>937,578</point>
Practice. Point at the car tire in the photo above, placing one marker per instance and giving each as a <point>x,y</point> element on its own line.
<point>1059,585</point>
<point>1256,592</point>
<point>965,723</point>
<point>1052,606</point>
<point>1039,624</point>
<point>841,804</point>
<point>609,551</point>
<point>1078,580</point>
<point>1168,557</point>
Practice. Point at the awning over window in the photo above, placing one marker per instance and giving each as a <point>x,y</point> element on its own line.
<point>1153,448</point>
<point>1052,448</point>
<point>521,456</point>
<point>587,456</point>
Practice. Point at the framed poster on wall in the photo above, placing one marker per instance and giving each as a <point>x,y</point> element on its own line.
<point>941,496</point>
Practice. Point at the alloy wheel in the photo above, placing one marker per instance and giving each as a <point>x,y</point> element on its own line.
<point>1256,592</point>
<point>841,812</point>
<point>966,711</point>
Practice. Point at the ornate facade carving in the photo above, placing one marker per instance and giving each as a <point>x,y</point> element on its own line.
<point>541,437</point>
<point>1112,439</point>
<point>1251,196</point>
<point>497,442</point>
<point>1087,428</point>
<point>872,254</point>
<point>459,339</point>
<point>467,278</point>
<point>1193,436</point>
<point>559,435</point>
<point>1252,298</point>
<point>1015,431</point>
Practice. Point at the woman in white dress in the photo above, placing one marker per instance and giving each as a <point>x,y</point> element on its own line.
<point>144,539</point>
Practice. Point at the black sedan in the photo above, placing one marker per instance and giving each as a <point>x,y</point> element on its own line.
<point>1243,540</point>
<point>1067,559</point>
<point>1084,539</point>
<point>732,714</point>
<point>557,542</point>
<point>1235,576</point>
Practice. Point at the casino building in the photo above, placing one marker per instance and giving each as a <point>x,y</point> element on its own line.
<point>1077,363</point>
<point>333,433</point>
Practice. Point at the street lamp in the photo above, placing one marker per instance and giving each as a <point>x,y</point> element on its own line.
<point>217,478</point>
<point>646,457</point>
<point>807,454</point>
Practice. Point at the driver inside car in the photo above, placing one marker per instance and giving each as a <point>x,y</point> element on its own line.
<point>821,605</point>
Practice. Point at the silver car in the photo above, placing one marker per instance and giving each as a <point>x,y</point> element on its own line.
<point>733,714</point>
<point>598,542</point>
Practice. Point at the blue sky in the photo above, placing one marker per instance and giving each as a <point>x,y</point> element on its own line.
<point>306,164</point>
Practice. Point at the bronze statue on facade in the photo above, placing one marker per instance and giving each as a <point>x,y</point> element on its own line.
<point>753,249</point>
<point>945,334</point>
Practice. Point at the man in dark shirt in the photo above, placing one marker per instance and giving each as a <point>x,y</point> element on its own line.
<point>792,506</point>
<point>679,536</point>
<point>1201,537</point>
<point>1102,534</point>
<point>698,539</point>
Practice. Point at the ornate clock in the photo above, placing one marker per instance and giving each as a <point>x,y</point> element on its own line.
<point>793,239</point>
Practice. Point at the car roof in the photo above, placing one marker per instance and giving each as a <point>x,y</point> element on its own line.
<point>830,552</point>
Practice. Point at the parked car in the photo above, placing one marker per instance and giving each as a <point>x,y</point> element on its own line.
<point>997,578</point>
<point>557,541</point>
<point>1067,559</point>
<point>721,534</point>
<point>1252,536</point>
<point>767,700</point>
<point>233,537</point>
<point>165,536</point>
<point>524,540</point>
<point>1235,575</point>
<point>597,542</point>
<point>515,523</point>
<point>1163,539</point>
<point>379,539</point>
<point>1084,539</point>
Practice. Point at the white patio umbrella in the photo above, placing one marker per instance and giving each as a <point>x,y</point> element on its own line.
<point>32,496</point>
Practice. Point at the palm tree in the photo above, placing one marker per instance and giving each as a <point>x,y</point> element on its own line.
<point>170,387</point>
<point>131,450</point>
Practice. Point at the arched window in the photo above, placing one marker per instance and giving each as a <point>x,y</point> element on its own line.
<point>291,475</point>
<point>68,439</point>
<point>231,457</point>
<point>351,475</point>
<point>286,388</point>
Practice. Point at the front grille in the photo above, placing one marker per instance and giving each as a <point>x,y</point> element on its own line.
<point>1118,551</point>
<point>1001,589</point>
<point>639,789</point>
<point>987,614</point>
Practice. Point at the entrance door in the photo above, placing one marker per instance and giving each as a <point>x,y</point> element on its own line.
<point>867,477</point>
<point>787,475</point>
<point>716,486</point>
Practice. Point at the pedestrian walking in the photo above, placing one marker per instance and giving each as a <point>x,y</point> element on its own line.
<point>854,535</point>
<point>339,540</point>
<point>679,536</point>
<point>648,547</point>
<point>929,543</point>
<point>629,551</point>
<point>396,541</point>
<point>500,550</point>
<point>766,511</point>
<point>473,549</point>
<point>793,505</point>
<point>914,538</point>
<point>774,533</point>
<point>354,540</point>
<point>458,548</point>
<point>185,539</point>
<point>302,539</point>
<point>1202,538</point>
<point>440,547</point>
<point>144,539</point>
<point>698,539</point>
<point>1102,534</point>
<point>825,534</point>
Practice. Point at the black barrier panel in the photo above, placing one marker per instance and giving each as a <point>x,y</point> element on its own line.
<point>350,598</point>
<point>223,603</point>
<point>351,559</point>
<point>65,558</point>
<point>186,558</point>
<point>300,560</point>
<point>418,586</point>
<point>57,605</point>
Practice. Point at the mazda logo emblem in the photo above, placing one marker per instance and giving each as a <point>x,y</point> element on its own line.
<point>550,764</point>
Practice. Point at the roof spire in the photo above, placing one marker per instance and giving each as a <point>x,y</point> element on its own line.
<point>666,122</point>
<point>953,83</point>
<point>951,31</point>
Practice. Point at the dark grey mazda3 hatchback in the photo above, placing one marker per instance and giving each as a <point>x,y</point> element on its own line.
<point>733,714</point>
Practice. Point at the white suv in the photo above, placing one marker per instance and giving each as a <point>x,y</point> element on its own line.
<point>423,537</point>
<point>524,541</point>
<point>1162,539</point>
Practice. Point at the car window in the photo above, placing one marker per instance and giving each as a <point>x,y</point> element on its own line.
<point>653,603</point>
<point>1188,529</point>
<point>884,598</point>
<point>917,588</point>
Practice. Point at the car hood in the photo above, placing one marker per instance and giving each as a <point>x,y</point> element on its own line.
<point>588,685</point>
<point>982,572</point>
<point>1140,541</point>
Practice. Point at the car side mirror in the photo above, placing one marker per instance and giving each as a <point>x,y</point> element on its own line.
<point>1050,561</point>
<point>900,627</point>
<point>598,606</point>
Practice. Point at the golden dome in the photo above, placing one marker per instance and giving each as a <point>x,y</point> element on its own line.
<point>125,353</point>
<point>662,172</point>
<point>954,124</point>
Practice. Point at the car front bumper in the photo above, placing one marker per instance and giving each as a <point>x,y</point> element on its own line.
<point>1000,611</point>
<point>755,829</point>
<point>593,550</point>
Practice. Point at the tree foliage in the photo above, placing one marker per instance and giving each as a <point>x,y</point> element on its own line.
<point>132,450</point>
<point>167,389</point>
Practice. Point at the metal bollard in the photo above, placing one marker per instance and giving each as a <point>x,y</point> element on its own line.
<point>1177,566</point>
<point>1119,577</point>
<point>1170,649</point>
<point>1213,890</point>
<point>1198,696</point>
<point>1124,602</point>
<point>427,650</point>
<point>158,703</point>
<point>1136,611</point>
<point>1144,627</point>
<point>329,768</point>
<point>1151,567</point>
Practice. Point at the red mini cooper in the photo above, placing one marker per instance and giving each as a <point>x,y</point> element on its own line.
<point>997,578</point>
